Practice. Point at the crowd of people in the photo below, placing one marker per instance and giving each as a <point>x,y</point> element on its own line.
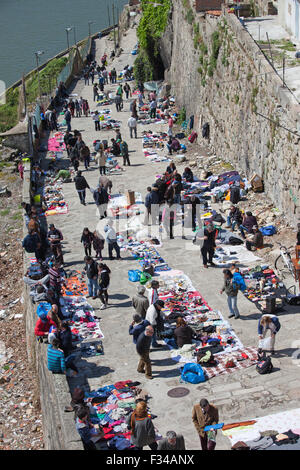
<point>162,201</point>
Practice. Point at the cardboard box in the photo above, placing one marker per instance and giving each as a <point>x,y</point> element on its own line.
<point>257,183</point>
<point>130,197</point>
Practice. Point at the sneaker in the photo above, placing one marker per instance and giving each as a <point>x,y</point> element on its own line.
<point>237,317</point>
<point>230,316</point>
<point>103,306</point>
<point>140,371</point>
<point>149,377</point>
<point>94,297</point>
<point>205,266</point>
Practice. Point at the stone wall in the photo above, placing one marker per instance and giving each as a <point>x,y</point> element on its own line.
<point>58,426</point>
<point>230,94</point>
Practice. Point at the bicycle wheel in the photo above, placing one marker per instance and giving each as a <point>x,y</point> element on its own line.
<point>282,269</point>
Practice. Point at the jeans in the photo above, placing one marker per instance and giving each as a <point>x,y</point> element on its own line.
<point>126,160</point>
<point>131,131</point>
<point>242,230</point>
<point>230,223</point>
<point>81,194</point>
<point>232,304</point>
<point>88,250</point>
<point>102,170</point>
<point>103,294</point>
<point>69,362</point>
<point>153,113</point>
<point>69,126</point>
<point>154,337</point>
<point>111,246</point>
<point>97,125</point>
<point>93,287</point>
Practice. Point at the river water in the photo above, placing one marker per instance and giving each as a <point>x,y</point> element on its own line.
<point>27,26</point>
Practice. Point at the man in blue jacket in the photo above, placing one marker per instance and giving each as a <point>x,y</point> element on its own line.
<point>139,327</point>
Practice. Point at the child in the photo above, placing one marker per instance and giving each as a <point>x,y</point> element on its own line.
<point>98,245</point>
<point>86,239</point>
<point>104,280</point>
<point>21,170</point>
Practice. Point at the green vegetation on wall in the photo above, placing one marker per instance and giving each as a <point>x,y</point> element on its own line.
<point>52,69</point>
<point>9,110</point>
<point>150,29</point>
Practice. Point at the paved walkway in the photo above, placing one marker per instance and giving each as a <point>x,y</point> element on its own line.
<point>241,395</point>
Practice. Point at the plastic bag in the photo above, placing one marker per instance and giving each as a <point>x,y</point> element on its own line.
<point>265,344</point>
<point>134,275</point>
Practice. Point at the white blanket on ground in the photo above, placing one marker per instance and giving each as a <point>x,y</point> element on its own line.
<point>241,255</point>
<point>280,422</point>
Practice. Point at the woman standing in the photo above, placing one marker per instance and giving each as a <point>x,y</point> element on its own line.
<point>98,245</point>
<point>268,322</point>
<point>21,170</point>
<point>141,427</point>
<point>86,239</point>
<point>231,289</point>
<point>101,160</point>
<point>104,280</point>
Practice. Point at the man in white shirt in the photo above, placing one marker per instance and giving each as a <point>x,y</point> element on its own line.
<point>155,317</point>
<point>111,238</point>
<point>132,126</point>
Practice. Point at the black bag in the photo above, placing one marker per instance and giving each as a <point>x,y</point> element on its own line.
<point>264,365</point>
<point>234,194</point>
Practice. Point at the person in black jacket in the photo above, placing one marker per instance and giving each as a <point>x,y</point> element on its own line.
<point>104,281</point>
<point>101,199</point>
<point>87,240</point>
<point>91,269</point>
<point>143,348</point>
<point>81,185</point>
<point>137,326</point>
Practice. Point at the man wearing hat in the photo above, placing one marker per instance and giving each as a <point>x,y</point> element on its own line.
<point>55,237</point>
<point>143,348</point>
<point>137,326</point>
<point>204,414</point>
<point>140,302</point>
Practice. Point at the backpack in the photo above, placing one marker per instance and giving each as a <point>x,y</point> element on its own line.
<point>193,137</point>
<point>268,230</point>
<point>264,364</point>
<point>234,194</point>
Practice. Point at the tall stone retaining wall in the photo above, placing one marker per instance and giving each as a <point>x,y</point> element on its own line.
<point>58,426</point>
<point>232,96</point>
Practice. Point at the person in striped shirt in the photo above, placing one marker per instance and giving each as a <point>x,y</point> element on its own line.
<point>56,358</point>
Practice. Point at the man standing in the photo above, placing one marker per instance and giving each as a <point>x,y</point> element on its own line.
<point>124,153</point>
<point>132,126</point>
<point>68,119</point>
<point>101,200</point>
<point>91,269</point>
<point>111,238</point>
<point>81,185</point>
<point>55,237</point>
<point>155,318</point>
<point>153,106</point>
<point>143,348</point>
<point>140,302</point>
<point>209,245</point>
<point>204,415</point>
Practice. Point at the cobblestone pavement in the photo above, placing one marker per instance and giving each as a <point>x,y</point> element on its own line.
<point>241,395</point>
